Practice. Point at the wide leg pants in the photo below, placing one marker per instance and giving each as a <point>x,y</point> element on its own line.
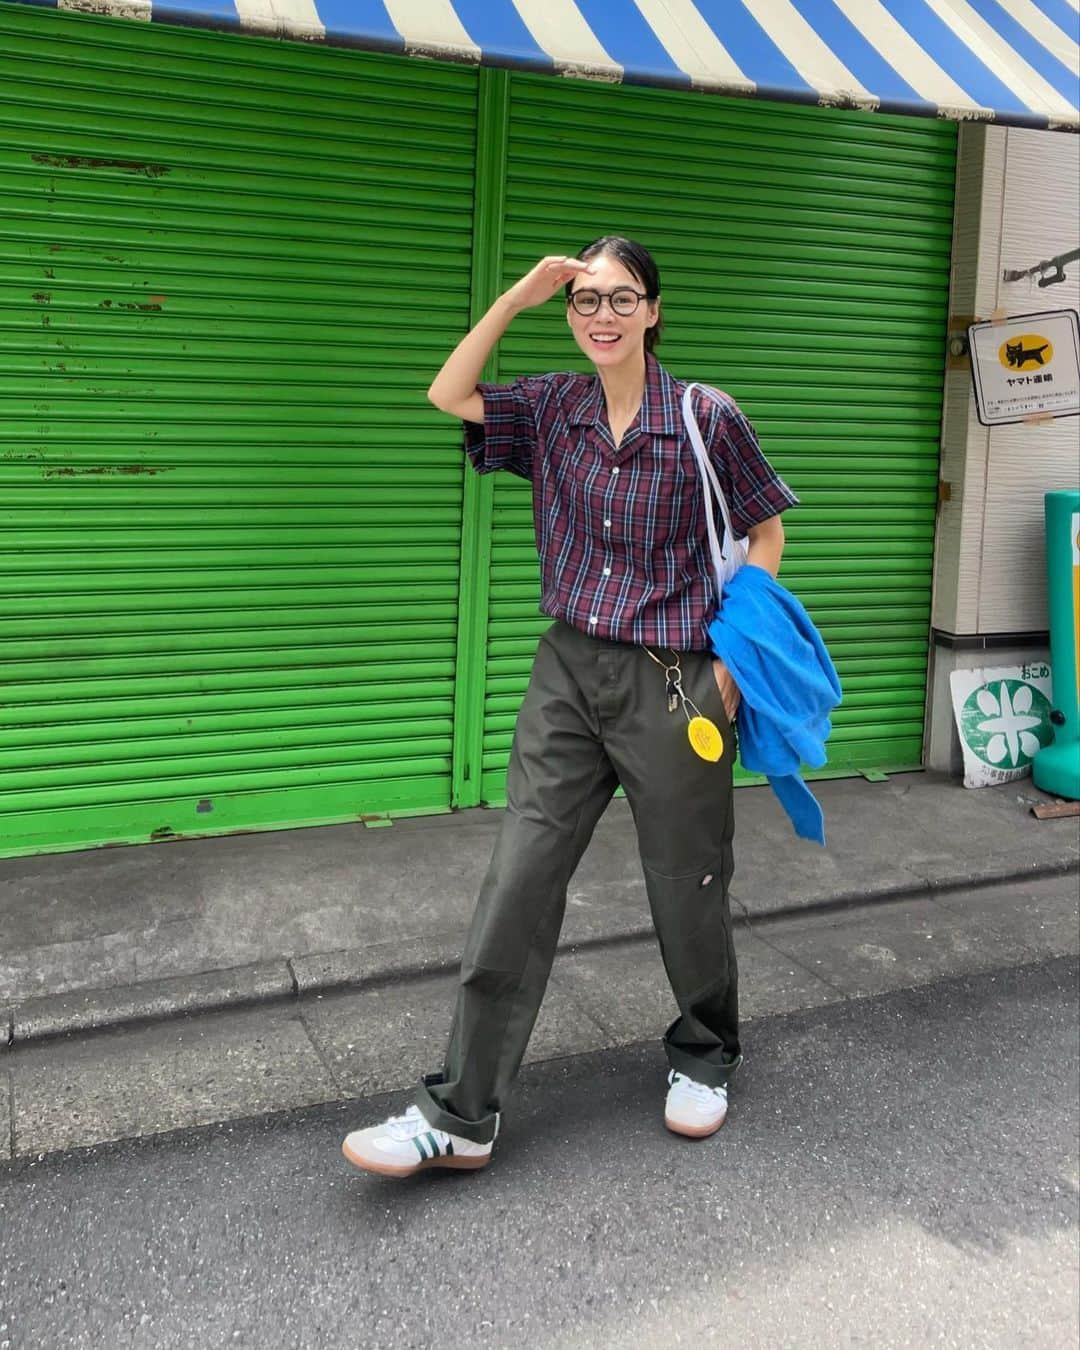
<point>596,715</point>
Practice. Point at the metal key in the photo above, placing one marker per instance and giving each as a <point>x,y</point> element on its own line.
<point>674,694</point>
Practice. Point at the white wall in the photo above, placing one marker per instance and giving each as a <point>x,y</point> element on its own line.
<point>1017,203</point>
<point>1040,218</point>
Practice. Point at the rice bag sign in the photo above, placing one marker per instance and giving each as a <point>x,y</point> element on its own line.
<point>1026,366</point>
<point>1003,717</point>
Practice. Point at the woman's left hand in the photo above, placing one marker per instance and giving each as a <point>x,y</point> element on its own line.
<point>729,690</point>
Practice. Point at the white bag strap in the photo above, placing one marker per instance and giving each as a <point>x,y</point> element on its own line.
<point>729,557</point>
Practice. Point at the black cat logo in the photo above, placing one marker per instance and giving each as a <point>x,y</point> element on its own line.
<point>1018,355</point>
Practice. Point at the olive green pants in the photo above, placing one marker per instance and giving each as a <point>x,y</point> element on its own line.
<point>596,715</point>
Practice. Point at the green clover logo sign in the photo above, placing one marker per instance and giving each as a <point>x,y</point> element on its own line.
<point>1006,723</point>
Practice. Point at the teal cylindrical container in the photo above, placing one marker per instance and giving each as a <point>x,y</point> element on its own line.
<point>1056,768</point>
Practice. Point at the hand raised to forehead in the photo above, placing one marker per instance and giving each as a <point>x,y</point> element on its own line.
<point>549,276</point>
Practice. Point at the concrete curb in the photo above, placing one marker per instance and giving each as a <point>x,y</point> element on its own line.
<point>151,1001</point>
<point>262,982</point>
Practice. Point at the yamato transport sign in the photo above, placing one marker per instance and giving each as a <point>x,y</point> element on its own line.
<point>1026,366</point>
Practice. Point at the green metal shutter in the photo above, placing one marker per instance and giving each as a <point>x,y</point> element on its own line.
<point>231,524</point>
<point>804,256</point>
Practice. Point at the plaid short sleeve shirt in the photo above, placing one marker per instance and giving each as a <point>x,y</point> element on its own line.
<point>620,531</point>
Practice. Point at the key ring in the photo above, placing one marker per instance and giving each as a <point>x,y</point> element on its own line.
<point>704,736</point>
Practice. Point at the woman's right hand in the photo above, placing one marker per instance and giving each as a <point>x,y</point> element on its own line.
<point>548,276</point>
<point>454,389</point>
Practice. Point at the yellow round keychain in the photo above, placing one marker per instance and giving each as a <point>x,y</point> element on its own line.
<point>704,737</point>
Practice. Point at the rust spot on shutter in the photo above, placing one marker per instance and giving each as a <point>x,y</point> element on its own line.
<point>99,470</point>
<point>86,162</point>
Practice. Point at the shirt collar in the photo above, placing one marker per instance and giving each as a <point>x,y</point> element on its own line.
<point>660,413</point>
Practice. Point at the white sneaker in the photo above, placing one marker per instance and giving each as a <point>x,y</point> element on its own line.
<point>693,1108</point>
<point>406,1144</point>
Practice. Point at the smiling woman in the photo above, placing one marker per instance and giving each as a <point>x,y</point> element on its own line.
<point>622,536</point>
<point>614,322</point>
<point>635,261</point>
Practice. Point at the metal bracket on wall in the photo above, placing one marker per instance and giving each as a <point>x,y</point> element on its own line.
<point>1058,264</point>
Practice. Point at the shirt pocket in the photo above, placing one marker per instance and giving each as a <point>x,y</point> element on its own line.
<point>672,521</point>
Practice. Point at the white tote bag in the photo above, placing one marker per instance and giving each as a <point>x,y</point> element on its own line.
<point>729,557</point>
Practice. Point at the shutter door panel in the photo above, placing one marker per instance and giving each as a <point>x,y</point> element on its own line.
<point>229,557</point>
<point>804,254</point>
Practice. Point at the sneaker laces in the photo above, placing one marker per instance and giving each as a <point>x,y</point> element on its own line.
<point>411,1124</point>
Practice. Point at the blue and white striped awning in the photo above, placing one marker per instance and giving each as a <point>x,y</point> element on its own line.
<point>1011,61</point>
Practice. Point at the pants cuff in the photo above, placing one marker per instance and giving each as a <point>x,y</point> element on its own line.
<point>713,1071</point>
<point>439,1118</point>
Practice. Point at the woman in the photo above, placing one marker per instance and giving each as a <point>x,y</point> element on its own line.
<point>621,534</point>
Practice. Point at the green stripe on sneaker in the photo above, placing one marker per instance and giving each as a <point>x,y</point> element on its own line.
<point>449,1148</point>
<point>433,1144</point>
<point>420,1148</point>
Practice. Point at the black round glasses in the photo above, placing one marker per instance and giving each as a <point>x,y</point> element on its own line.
<point>623,300</point>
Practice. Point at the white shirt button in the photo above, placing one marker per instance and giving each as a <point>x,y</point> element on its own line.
<point>593,618</point>
<point>607,524</point>
<point>607,571</point>
<point>615,470</point>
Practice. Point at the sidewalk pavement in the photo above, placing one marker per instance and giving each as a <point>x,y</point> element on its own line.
<point>120,935</point>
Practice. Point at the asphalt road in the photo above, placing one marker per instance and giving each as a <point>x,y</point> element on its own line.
<point>899,1170</point>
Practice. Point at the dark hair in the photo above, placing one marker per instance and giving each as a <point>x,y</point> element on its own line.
<point>637,259</point>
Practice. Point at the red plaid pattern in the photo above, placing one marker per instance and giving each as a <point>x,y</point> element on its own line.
<point>621,532</point>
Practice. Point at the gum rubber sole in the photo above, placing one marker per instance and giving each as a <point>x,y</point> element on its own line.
<point>694,1131</point>
<point>388,1169</point>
